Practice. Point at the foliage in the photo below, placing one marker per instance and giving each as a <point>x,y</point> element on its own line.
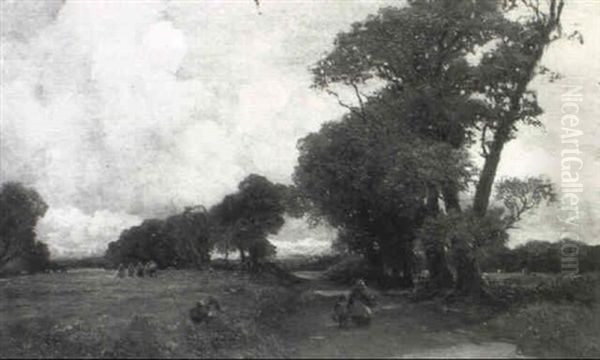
<point>539,256</point>
<point>242,221</point>
<point>181,241</point>
<point>347,270</point>
<point>514,290</point>
<point>464,233</point>
<point>247,217</point>
<point>418,57</point>
<point>126,321</point>
<point>521,195</point>
<point>20,209</point>
<point>370,180</point>
<point>94,262</point>
<point>503,77</point>
<point>370,175</point>
<point>190,233</point>
<point>546,329</point>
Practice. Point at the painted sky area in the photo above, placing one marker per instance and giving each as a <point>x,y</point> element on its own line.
<point>116,111</point>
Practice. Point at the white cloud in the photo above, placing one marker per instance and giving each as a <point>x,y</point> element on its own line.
<point>70,232</point>
<point>135,109</point>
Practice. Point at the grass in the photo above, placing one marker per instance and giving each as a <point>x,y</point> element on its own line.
<point>549,315</point>
<point>90,313</point>
<point>547,329</point>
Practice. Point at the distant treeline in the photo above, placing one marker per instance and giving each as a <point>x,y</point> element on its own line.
<point>241,222</point>
<point>539,256</point>
<point>87,262</point>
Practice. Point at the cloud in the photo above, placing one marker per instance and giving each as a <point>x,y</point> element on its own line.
<point>133,109</point>
<point>71,232</point>
<point>121,109</point>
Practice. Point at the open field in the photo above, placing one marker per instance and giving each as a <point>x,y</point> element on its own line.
<point>91,313</point>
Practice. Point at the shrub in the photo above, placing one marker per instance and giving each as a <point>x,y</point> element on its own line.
<point>514,291</point>
<point>546,329</point>
<point>348,270</point>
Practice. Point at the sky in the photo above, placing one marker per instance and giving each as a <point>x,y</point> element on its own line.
<point>116,111</point>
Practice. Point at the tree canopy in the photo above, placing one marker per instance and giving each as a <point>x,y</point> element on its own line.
<point>247,217</point>
<point>20,209</point>
<point>181,240</point>
<point>435,97</point>
<point>372,181</point>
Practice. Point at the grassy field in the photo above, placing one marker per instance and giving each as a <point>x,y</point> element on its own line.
<point>549,315</point>
<point>90,313</point>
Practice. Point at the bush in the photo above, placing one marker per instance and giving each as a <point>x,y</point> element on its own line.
<point>310,262</point>
<point>348,270</point>
<point>139,339</point>
<point>551,330</point>
<point>582,290</point>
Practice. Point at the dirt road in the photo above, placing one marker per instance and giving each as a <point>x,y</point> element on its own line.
<point>400,328</point>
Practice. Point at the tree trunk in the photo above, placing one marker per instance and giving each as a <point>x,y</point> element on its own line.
<point>407,269</point>
<point>437,264</point>
<point>502,135</point>
<point>440,276</point>
<point>451,199</point>
<point>468,274</point>
<point>433,207</point>
<point>488,173</point>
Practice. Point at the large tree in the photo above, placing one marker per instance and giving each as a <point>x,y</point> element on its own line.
<point>247,217</point>
<point>372,181</point>
<point>503,77</point>
<point>419,56</point>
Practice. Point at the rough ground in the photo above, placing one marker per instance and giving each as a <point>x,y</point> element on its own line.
<point>90,313</point>
<point>400,328</point>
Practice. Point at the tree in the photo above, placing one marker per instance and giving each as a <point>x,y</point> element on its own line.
<point>20,209</point>
<point>418,54</point>
<point>189,232</point>
<point>503,78</point>
<point>247,217</point>
<point>181,240</point>
<point>371,181</point>
<point>519,196</point>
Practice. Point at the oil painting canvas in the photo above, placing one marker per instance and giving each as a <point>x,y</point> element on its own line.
<point>300,179</point>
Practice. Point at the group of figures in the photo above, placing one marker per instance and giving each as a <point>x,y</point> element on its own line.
<point>205,310</point>
<point>149,269</point>
<point>355,308</point>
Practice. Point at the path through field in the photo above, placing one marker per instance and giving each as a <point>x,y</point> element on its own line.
<point>400,328</point>
<point>89,313</point>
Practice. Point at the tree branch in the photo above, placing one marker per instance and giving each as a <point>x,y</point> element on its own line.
<point>349,107</point>
<point>360,100</point>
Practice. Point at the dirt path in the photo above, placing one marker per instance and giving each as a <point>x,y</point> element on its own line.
<point>400,328</point>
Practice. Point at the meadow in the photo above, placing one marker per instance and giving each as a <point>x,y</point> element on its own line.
<point>90,313</point>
